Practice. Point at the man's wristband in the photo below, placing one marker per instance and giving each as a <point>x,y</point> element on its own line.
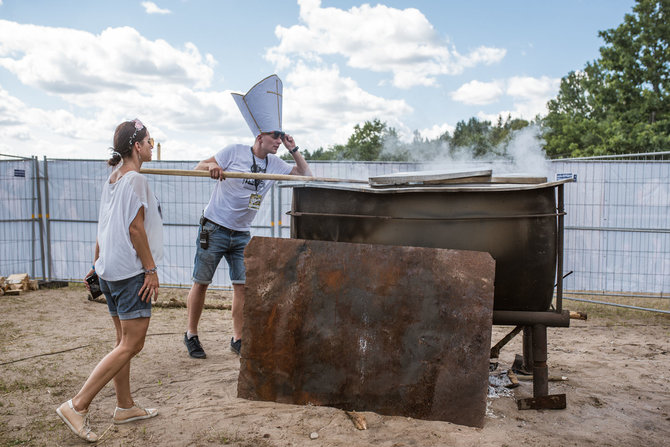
<point>294,150</point>
<point>151,271</point>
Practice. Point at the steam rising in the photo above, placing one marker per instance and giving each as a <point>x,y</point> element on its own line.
<point>522,154</point>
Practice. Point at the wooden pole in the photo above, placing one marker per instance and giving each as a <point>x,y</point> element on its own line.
<point>259,176</point>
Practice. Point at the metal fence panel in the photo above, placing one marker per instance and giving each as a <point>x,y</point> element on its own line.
<point>617,230</point>
<point>617,234</point>
<point>73,189</point>
<point>21,247</point>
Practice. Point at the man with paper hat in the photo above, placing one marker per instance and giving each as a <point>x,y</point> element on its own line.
<point>226,221</point>
<point>261,106</point>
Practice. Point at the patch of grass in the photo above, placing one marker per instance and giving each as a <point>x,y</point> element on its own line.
<point>22,437</point>
<point>9,387</point>
<point>9,440</point>
<point>7,328</point>
<point>620,315</point>
<point>76,286</point>
<point>7,325</point>
<point>17,442</point>
<point>43,425</point>
<point>38,383</point>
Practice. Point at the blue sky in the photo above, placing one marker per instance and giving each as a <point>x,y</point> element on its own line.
<point>71,70</point>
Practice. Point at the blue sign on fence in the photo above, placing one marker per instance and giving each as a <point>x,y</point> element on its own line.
<point>19,172</point>
<point>566,175</point>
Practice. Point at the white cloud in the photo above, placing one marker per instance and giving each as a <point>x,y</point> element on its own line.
<point>322,106</point>
<point>106,78</point>
<point>152,8</point>
<point>101,80</point>
<point>206,125</point>
<point>71,62</point>
<point>436,131</point>
<point>478,93</point>
<point>481,55</point>
<point>528,95</point>
<point>27,131</point>
<point>376,38</point>
<point>528,87</point>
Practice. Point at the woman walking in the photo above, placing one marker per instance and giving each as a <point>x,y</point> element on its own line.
<point>128,246</point>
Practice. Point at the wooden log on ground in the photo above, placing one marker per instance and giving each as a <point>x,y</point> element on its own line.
<point>170,303</point>
<point>578,315</point>
<point>514,382</point>
<point>550,378</point>
<point>358,420</point>
<point>18,281</point>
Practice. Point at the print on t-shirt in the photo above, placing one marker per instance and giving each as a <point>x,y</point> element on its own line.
<point>255,184</point>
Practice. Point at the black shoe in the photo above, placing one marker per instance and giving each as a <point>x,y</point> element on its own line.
<point>235,346</point>
<point>194,347</point>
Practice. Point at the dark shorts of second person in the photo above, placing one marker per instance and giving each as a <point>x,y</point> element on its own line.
<point>123,298</point>
<point>222,242</point>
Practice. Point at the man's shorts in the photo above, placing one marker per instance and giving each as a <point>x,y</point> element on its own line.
<point>222,242</point>
<point>123,298</point>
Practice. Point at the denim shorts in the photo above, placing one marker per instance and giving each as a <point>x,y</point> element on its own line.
<point>123,298</point>
<point>222,242</point>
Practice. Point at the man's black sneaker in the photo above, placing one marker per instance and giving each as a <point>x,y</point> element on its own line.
<point>194,347</point>
<point>235,346</point>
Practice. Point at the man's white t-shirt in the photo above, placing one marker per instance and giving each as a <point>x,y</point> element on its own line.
<point>229,204</point>
<point>119,205</point>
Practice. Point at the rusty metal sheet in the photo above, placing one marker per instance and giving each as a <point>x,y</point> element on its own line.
<point>393,329</point>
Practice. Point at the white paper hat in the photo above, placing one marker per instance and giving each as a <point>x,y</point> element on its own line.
<point>261,106</point>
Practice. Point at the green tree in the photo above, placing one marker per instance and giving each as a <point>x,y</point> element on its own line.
<point>473,134</point>
<point>373,140</point>
<point>323,154</point>
<point>482,139</point>
<point>376,141</point>
<point>619,103</point>
<point>366,143</point>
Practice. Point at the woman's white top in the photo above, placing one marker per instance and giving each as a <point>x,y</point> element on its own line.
<point>119,205</point>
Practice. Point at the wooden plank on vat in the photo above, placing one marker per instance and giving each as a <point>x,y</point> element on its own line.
<point>437,176</point>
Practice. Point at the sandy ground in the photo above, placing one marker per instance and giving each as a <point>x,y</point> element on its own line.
<point>617,366</point>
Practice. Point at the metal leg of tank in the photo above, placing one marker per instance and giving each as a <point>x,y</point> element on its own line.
<point>528,349</point>
<point>540,369</point>
<point>536,337</point>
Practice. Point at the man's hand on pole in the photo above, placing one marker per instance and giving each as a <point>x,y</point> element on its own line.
<point>215,171</point>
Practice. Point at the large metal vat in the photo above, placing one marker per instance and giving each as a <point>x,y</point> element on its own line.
<point>516,224</point>
<point>520,225</point>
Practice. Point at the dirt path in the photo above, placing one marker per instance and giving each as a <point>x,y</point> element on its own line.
<point>618,387</point>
